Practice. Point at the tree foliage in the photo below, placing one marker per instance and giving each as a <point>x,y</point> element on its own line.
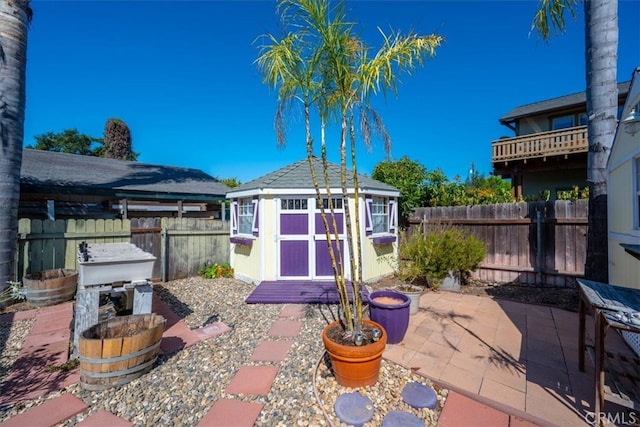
<point>477,190</point>
<point>68,141</point>
<point>230,182</point>
<point>409,177</point>
<point>117,141</point>
<point>73,142</point>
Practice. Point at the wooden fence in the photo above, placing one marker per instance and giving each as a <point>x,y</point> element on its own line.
<point>181,245</point>
<point>528,242</point>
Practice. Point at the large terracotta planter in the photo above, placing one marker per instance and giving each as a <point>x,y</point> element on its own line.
<point>394,318</point>
<point>355,366</point>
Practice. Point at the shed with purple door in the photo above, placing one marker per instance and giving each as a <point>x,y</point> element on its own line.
<point>277,233</point>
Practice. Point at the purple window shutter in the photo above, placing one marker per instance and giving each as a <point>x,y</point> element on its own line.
<point>392,216</point>
<point>255,228</point>
<point>367,223</point>
<point>234,216</point>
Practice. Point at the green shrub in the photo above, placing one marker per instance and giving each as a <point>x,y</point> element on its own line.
<point>216,271</point>
<point>433,256</point>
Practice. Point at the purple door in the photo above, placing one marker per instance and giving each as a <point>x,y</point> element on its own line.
<point>294,244</point>
<point>323,264</point>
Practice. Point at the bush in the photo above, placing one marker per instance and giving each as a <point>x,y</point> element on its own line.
<point>433,256</point>
<point>216,271</point>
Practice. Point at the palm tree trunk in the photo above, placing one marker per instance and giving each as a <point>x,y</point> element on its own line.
<point>14,19</point>
<point>601,42</point>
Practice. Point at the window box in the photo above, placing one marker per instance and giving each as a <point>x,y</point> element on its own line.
<point>244,241</point>
<point>384,240</point>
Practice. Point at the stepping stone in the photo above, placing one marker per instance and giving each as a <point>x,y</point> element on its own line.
<point>210,331</point>
<point>252,380</point>
<point>103,418</point>
<point>271,351</point>
<point>298,311</point>
<point>419,395</point>
<point>285,328</point>
<point>353,408</point>
<point>50,413</point>
<point>401,419</point>
<point>231,413</point>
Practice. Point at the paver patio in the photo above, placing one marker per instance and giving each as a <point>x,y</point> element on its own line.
<point>519,355</point>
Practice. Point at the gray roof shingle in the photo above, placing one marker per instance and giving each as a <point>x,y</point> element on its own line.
<point>298,176</point>
<point>562,102</point>
<point>52,169</point>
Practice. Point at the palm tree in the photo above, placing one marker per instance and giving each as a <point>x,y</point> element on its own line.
<point>14,20</point>
<point>339,79</point>
<point>601,45</point>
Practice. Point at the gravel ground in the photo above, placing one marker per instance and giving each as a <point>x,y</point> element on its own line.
<point>182,386</point>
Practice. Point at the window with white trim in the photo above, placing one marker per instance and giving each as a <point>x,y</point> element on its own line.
<point>245,216</point>
<point>380,215</point>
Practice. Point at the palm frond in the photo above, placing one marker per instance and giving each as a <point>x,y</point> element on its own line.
<point>550,15</point>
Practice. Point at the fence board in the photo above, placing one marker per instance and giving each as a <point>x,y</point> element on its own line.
<point>191,242</point>
<point>510,234</point>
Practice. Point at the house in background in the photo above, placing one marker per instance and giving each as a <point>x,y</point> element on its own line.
<point>61,186</point>
<point>623,199</point>
<point>549,149</point>
<point>277,233</point>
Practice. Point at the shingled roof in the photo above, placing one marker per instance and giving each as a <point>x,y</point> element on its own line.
<point>550,105</point>
<point>75,173</point>
<point>298,176</point>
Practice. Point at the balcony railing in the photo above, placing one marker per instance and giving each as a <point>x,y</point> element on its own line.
<point>543,144</point>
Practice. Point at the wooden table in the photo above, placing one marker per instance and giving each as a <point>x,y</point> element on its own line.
<point>617,377</point>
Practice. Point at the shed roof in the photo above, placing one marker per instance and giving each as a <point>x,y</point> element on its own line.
<point>88,174</point>
<point>554,104</point>
<point>298,176</point>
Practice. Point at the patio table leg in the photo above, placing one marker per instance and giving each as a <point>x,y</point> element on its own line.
<point>581,331</point>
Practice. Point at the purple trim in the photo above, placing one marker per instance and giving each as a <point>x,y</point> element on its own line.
<point>244,241</point>
<point>367,215</point>
<point>256,217</point>
<point>383,240</point>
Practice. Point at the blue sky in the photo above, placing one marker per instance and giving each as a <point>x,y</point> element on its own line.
<point>181,74</point>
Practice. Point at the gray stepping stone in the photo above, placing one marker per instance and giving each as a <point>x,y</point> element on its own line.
<point>353,408</point>
<point>419,395</point>
<point>401,419</point>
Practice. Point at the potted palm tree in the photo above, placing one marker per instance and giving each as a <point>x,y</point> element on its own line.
<point>325,66</point>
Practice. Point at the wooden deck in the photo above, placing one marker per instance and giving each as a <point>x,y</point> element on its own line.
<point>297,292</point>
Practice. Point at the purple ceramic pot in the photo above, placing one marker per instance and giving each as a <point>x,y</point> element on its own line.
<point>394,318</point>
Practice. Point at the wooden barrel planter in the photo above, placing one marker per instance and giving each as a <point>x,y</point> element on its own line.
<point>118,350</point>
<point>50,287</point>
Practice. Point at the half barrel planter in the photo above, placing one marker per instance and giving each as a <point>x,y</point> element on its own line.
<point>118,350</point>
<point>50,287</point>
<point>394,317</point>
